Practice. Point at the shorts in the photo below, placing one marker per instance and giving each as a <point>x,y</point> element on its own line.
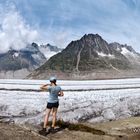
<point>52,105</point>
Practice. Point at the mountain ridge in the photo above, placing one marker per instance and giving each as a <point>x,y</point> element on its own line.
<point>90,54</point>
<point>19,63</point>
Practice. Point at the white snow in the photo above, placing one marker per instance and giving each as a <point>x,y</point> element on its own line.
<point>128,53</point>
<point>118,49</point>
<point>125,51</point>
<point>133,57</point>
<point>36,56</point>
<point>16,54</point>
<point>95,104</point>
<point>105,55</point>
<point>47,53</point>
<point>72,85</point>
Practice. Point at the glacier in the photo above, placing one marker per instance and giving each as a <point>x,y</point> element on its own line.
<point>91,101</point>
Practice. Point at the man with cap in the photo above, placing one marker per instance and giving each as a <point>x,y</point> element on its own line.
<point>52,103</point>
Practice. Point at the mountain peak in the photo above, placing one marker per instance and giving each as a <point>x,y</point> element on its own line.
<point>91,40</point>
<point>35,45</point>
<point>91,36</point>
<point>89,54</point>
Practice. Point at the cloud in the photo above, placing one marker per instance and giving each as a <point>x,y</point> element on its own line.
<point>59,22</point>
<point>121,22</point>
<point>14,31</point>
<point>115,21</point>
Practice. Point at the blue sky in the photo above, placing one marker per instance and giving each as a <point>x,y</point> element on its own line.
<point>60,21</point>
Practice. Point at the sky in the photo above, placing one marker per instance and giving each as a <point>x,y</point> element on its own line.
<point>58,22</point>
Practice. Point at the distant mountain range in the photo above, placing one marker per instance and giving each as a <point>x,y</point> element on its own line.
<point>91,57</point>
<point>19,63</point>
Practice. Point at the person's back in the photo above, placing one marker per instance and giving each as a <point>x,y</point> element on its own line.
<point>53,93</point>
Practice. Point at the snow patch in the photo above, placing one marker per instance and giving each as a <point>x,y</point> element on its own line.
<point>105,55</point>
<point>36,56</point>
<point>133,57</point>
<point>16,54</point>
<point>126,51</point>
<point>47,53</point>
<point>118,49</point>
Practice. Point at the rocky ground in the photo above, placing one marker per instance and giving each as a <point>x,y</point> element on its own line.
<point>124,129</point>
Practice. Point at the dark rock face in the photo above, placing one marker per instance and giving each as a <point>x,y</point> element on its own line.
<point>29,58</point>
<point>90,53</point>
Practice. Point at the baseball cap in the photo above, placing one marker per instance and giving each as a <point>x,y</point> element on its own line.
<point>53,78</point>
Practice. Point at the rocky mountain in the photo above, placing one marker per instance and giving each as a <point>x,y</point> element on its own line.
<point>19,63</point>
<point>91,57</point>
<point>29,57</point>
<point>128,52</point>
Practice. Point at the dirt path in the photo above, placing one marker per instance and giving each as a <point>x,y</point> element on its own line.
<point>13,132</point>
<point>126,129</point>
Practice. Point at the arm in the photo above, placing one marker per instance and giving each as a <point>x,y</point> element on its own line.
<point>44,87</point>
<point>61,93</point>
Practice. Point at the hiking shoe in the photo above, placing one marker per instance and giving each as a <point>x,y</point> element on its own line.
<point>42,132</point>
<point>52,130</point>
<point>48,130</point>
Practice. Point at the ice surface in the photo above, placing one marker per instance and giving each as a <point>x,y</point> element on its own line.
<point>94,101</point>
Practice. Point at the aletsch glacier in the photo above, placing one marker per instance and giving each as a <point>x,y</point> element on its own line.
<point>84,101</point>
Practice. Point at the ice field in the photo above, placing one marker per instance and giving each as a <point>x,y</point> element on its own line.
<point>91,101</point>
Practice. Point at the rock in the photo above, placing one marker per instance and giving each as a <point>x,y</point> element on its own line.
<point>108,114</point>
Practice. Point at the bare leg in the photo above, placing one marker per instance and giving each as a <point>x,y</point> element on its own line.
<point>46,118</point>
<point>54,112</point>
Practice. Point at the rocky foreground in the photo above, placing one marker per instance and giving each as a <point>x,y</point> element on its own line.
<point>124,129</point>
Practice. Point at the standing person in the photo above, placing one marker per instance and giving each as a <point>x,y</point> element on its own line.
<point>52,104</point>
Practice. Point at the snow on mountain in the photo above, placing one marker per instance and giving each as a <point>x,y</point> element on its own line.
<point>125,51</point>
<point>47,53</point>
<point>132,56</point>
<point>49,50</point>
<point>105,55</point>
<point>16,54</point>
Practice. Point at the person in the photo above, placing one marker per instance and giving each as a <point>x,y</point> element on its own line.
<point>52,104</point>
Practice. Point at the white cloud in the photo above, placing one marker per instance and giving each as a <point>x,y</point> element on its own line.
<point>14,31</point>
<point>115,21</point>
<point>61,22</point>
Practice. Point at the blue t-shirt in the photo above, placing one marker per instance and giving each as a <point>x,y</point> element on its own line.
<point>53,93</point>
